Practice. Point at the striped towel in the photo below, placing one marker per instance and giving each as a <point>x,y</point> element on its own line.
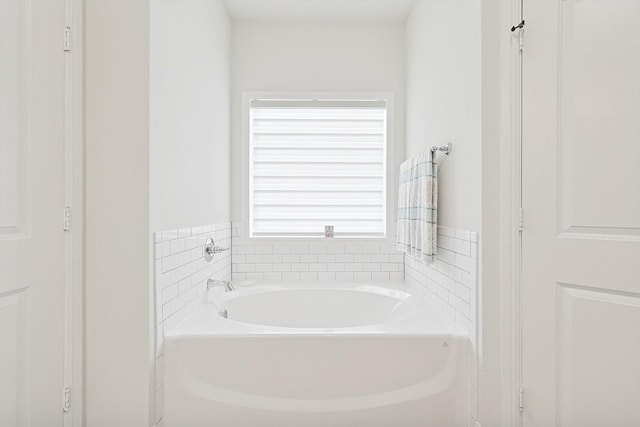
<point>418,207</point>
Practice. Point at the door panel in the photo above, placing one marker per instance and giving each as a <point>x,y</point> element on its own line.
<point>599,116</point>
<point>584,345</point>
<point>32,260</point>
<point>14,357</point>
<point>14,216</point>
<point>581,198</point>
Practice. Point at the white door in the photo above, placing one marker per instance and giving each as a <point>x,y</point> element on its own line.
<point>32,261</point>
<point>581,200</point>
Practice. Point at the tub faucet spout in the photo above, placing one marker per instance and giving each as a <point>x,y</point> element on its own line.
<point>211,283</point>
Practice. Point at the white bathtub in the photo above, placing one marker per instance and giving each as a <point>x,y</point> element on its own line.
<point>316,355</point>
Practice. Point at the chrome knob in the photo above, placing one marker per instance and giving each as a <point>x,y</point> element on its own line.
<point>210,249</point>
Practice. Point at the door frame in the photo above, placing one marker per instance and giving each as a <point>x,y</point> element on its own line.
<point>512,65</point>
<point>73,370</point>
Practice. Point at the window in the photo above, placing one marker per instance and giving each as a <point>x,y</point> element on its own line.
<point>317,163</point>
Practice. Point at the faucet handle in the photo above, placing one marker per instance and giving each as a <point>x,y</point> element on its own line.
<point>210,249</point>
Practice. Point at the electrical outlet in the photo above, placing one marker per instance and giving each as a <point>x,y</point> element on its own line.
<point>328,231</point>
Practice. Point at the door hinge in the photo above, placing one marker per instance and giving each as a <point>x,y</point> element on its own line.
<point>520,219</point>
<point>520,35</point>
<point>521,399</point>
<point>67,39</point>
<point>66,399</point>
<point>66,218</point>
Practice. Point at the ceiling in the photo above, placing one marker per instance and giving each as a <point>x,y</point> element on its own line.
<point>340,11</point>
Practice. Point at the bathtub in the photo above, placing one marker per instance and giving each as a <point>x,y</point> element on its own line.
<point>316,355</point>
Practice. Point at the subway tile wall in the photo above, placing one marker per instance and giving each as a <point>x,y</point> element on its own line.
<point>450,281</point>
<point>180,281</point>
<point>327,259</point>
<point>451,284</point>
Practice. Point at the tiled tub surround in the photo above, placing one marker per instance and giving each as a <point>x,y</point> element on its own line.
<point>180,279</point>
<point>309,260</point>
<point>451,283</point>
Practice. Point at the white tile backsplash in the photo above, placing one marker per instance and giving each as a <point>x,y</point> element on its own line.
<point>180,281</point>
<point>181,271</point>
<point>450,281</point>
<point>317,260</point>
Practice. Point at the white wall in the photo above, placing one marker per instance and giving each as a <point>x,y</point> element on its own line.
<point>157,157</point>
<point>497,403</point>
<point>189,88</point>
<point>189,80</point>
<point>288,57</point>
<point>489,399</point>
<point>444,104</point>
<point>444,101</point>
<point>118,324</point>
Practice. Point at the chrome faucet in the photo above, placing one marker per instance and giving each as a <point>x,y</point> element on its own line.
<point>211,283</point>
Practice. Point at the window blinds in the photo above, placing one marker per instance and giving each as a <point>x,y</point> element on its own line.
<point>317,163</point>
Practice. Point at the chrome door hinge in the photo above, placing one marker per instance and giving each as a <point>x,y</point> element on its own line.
<point>67,39</point>
<point>520,219</point>
<point>521,399</point>
<point>66,218</point>
<point>66,399</point>
<point>520,35</point>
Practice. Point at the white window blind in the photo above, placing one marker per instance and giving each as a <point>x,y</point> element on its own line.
<point>317,163</point>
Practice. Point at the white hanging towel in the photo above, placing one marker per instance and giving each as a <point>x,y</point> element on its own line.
<point>418,207</point>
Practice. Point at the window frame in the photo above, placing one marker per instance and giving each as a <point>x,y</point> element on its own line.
<point>389,178</point>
